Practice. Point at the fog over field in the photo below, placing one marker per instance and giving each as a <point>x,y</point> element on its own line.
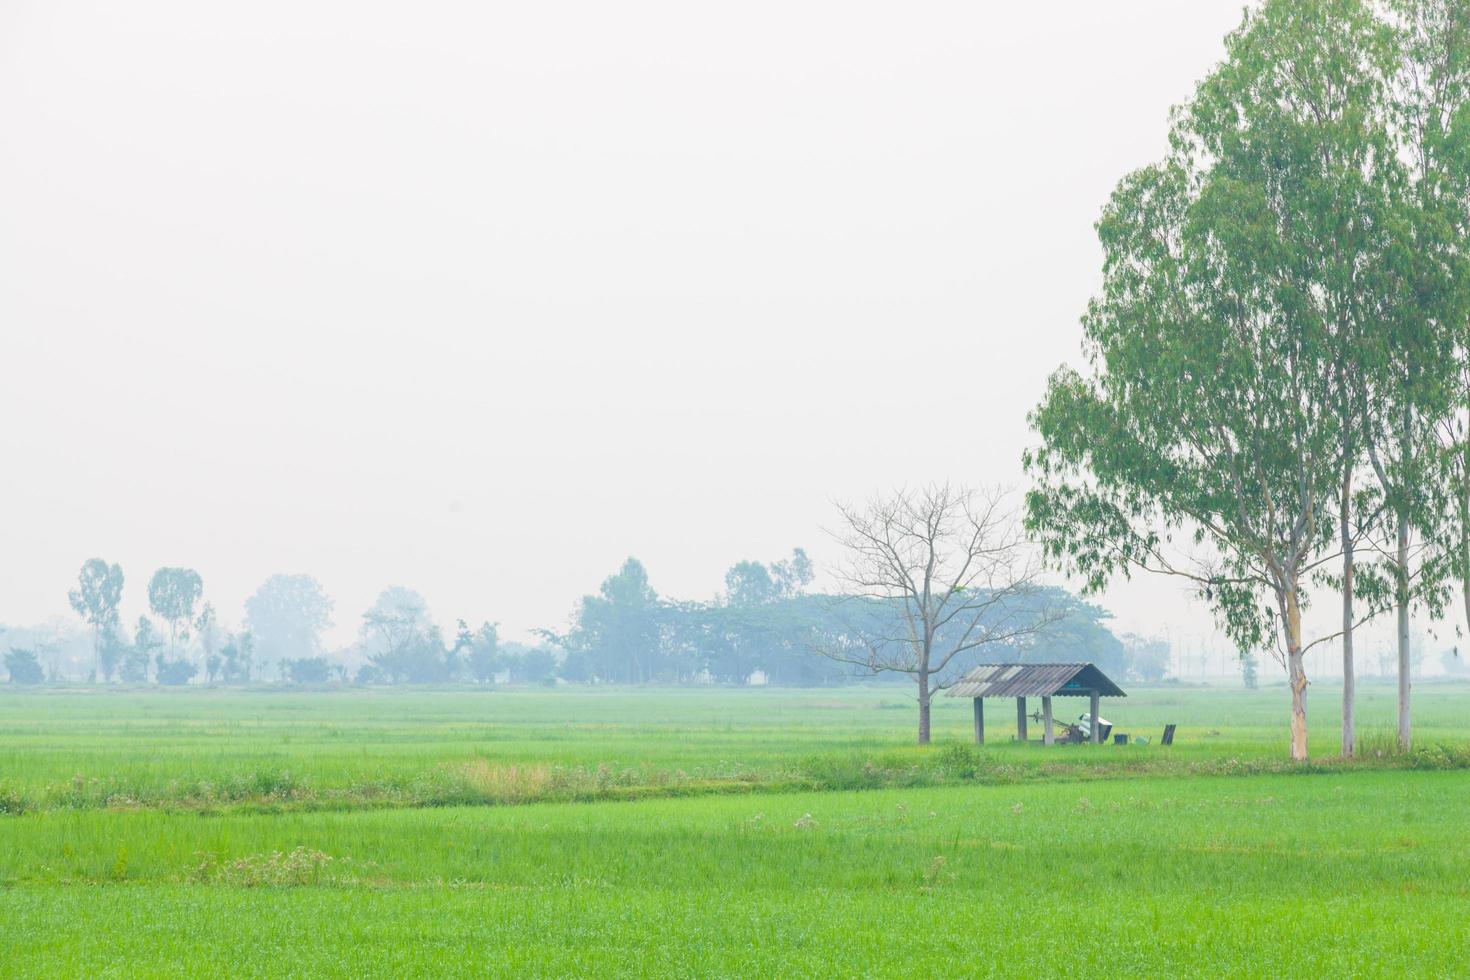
<point>774,489</point>
<point>482,299</point>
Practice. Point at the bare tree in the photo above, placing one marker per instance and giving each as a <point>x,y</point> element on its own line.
<point>933,575</point>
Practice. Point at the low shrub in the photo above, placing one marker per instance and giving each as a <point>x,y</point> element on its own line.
<point>301,866</point>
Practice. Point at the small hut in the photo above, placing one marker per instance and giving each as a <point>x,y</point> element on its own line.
<point>1045,681</point>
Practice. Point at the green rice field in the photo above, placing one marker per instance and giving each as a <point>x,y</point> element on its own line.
<point>720,833</point>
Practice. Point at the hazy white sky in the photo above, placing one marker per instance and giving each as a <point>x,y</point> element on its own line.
<point>482,298</point>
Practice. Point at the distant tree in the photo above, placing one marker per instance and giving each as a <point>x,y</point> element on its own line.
<point>24,666</point>
<point>402,642</point>
<point>482,652</point>
<point>174,671</point>
<point>236,656</point>
<point>536,665</point>
<point>287,616</point>
<point>1148,657</point>
<point>794,574</point>
<point>308,670</point>
<point>134,667</point>
<point>95,599</point>
<point>955,576</point>
<point>206,627</point>
<point>749,583</point>
<point>616,634</point>
<point>1248,674</point>
<point>172,593</point>
<point>114,648</point>
<point>1453,663</point>
<point>1078,633</point>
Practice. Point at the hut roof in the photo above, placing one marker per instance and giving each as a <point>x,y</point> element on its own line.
<point>1034,681</point>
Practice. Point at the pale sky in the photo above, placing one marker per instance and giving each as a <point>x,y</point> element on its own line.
<point>482,298</point>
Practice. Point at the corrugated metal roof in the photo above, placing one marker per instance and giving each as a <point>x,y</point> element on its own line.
<point>1034,681</point>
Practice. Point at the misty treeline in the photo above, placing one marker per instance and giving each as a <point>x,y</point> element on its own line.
<point>1279,384</point>
<point>767,626</point>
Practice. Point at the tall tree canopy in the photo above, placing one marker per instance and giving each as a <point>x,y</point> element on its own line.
<point>1208,439</point>
<point>172,594</point>
<point>287,615</point>
<point>95,599</point>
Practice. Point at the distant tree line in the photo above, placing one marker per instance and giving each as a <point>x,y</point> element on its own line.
<point>766,627</point>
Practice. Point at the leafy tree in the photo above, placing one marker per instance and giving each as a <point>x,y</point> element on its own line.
<point>403,643</point>
<point>135,660</point>
<point>95,599</point>
<point>1148,657</point>
<point>172,593</point>
<point>114,648</point>
<point>534,665</point>
<point>794,574</point>
<point>236,656</point>
<point>287,616</point>
<point>1248,673</point>
<point>1235,278</point>
<point>1418,363</point>
<point>749,583</point>
<point>24,666</point>
<point>481,651</point>
<point>616,637</point>
<point>308,670</point>
<point>174,671</point>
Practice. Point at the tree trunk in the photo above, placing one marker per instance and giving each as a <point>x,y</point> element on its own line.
<point>1465,585</point>
<point>1405,664</point>
<point>924,695</point>
<point>1297,675</point>
<point>1465,527</point>
<point>1349,681</point>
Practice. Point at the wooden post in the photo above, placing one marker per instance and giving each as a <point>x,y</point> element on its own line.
<point>1096,732</point>
<point>1047,737</point>
<point>979,721</point>
<point>1020,719</point>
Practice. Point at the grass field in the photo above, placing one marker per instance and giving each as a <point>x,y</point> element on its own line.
<point>677,833</point>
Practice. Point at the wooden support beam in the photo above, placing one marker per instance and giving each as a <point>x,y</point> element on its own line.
<point>979,721</point>
<point>1049,737</point>
<point>1096,731</point>
<point>1020,719</point>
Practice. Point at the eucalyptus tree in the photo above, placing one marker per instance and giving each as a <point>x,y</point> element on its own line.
<point>1303,109</point>
<point>95,599</point>
<point>1411,365</point>
<point>172,594</point>
<point>1208,439</point>
<point>1421,452</point>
